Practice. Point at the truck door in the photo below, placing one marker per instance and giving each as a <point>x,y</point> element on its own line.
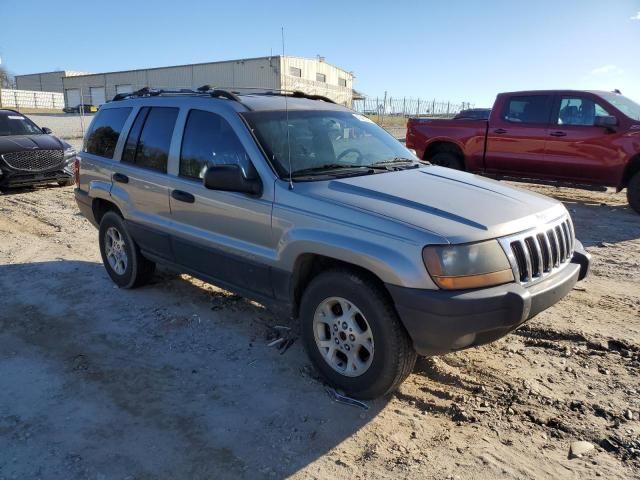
<point>517,135</point>
<point>576,149</point>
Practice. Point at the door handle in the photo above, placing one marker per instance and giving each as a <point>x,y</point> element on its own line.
<point>120,178</point>
<point>500,130</point>
<point>182,196</point>
<point>558,134</point>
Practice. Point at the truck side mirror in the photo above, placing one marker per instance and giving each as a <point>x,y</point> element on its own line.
<point>606,121</point>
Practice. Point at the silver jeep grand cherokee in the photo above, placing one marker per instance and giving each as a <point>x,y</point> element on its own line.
<point>300,203</point>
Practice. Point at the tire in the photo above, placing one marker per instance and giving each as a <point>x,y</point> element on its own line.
<point>633,192</point>
<point>66,183</point>
<point>391,357</point>
<point>131,270</point>
<point>448,159</point>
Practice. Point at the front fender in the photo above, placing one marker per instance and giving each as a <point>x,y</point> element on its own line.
<point>391,260</point>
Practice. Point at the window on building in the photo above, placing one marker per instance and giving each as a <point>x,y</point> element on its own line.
<point>342,82</point>
<point>321,77</point>
<point>528,109</point>
<point>295,72</point>
<point>579,111</point>
<point>209,140</point>
<point>105,130</point>
<point>150,138</point>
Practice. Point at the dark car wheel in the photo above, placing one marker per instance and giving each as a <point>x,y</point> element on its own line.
<point>353,335</point>
<point>120,255</point>
<point>447,159</point>
<point>633,192</point>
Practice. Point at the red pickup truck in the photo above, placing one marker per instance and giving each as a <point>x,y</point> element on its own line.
<point>578,138</point>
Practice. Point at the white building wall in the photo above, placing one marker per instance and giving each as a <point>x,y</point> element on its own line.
<point>45,82</point>
<point>308,82</point>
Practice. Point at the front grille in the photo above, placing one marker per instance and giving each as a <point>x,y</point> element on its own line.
<point>538,253</point>
<point>34,160</point>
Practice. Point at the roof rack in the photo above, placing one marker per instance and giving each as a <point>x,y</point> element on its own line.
<point>229,94</point>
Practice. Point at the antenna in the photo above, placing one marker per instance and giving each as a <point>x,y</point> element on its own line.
<point>286,110</point>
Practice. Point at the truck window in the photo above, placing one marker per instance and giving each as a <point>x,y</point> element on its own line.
<point>579,111</point>
<point>535,109</point>
<point>105,130</point>
<point>150,138</point>
<point>209,140</point>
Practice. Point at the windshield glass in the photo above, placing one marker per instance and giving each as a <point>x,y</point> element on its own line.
<point>627,106</point>
<point>12,123</point>
<point>324,140</point>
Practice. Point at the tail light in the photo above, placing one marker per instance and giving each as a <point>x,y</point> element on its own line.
<point>76,171</point>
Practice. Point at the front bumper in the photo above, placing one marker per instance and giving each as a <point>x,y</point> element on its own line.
<point>440,321</point>
<point>15,178</point>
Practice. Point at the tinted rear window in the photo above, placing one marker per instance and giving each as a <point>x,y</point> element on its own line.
<point>528,109</point>
<point>151,134</point>
<point>105,130</point>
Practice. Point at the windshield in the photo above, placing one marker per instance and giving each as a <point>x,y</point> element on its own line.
<point>324,140</point>
<point>12,123</point>
<point>627,106</point>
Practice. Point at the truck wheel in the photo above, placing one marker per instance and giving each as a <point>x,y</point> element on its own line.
<point>353,335</point>
<point>448,159</point>
<point>633,192</point>
<point>120,255</point>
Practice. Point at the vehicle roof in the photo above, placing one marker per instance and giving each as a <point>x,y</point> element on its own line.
<point>247,102</point>
<point>8,111</point>
<point>555,92</point>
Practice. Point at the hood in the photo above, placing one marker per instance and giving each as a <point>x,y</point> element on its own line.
<point>456,205</point>
<point>20,143</point>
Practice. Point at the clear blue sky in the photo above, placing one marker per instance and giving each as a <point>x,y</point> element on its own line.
<point>453,50</point>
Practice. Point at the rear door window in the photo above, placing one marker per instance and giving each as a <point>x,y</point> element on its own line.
<point>150,138</point>
<point>579,111</point>
<point>528,109</point>
<point>105,131</point>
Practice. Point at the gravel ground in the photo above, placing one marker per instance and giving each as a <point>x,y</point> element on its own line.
<point>175,380</point>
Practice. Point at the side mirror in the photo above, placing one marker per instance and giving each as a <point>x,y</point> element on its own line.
<point>606,121</point>
<point>229,178</point>
<point>46,130</point>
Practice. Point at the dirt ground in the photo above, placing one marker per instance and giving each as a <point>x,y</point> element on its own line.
<point>176,381</point>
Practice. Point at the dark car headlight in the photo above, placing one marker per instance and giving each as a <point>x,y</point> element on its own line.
<point>473,265</point>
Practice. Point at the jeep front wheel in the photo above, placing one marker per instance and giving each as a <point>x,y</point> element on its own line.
<point>353,335</point>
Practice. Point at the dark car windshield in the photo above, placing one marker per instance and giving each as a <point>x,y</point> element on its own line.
<point>627,106</point>
<point>12,123</point>
<point>323,140</point>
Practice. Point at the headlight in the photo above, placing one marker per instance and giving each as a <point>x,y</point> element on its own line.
<point>474,265</point>
<point>69,154</point>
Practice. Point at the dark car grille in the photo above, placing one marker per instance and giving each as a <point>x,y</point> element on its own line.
<point>34,160</point>
<point>536,255</point>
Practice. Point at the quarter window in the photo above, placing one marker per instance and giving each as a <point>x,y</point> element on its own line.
<point>209,140</point>
<point>295,72</point>
<point>528,109</point>
<point>105,131</point>
<point>579,111</point>
<point>150,138</point>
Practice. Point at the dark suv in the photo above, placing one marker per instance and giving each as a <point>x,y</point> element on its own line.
<point>30,155</point>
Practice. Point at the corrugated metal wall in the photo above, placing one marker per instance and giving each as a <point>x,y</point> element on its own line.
<point>45,82</point>
<point>265,72</point>
<point>308,81</point>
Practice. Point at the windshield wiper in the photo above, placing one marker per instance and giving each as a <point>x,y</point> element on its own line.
<point>396,160</point>
<point>327,167</point>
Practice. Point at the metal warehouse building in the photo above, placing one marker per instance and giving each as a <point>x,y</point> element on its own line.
<point>313,76</point>
<point>45,82</point>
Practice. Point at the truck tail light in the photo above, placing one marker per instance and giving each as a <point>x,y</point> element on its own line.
<point>76,171</point>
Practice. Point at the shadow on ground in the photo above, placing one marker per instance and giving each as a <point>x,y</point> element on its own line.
<point>174,380</point>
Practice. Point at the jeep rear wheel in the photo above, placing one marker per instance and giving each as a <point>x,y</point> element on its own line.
<point>633,192</point>
<point>353,335</point>
<point>120,255</point>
